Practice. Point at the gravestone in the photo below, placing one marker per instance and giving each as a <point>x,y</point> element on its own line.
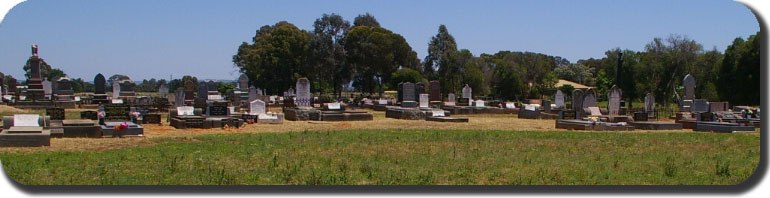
<point>435,90</point>
<point>700,106</point>
<point>400,92</point>
<point>649,104</point>
<point>47,88</point>
<point>451,98</point>
<point>189,90</point>
<point>577,103</point>
<point>689,87</point>
<point>55,113</point>
<point>218,109</point>
<point>419,88</point>
<point>179,97</point>
<point>89,115</point>
<point>185,111</point>
<point>162,91</point>
<point>115,90</point>
<point>589,98</point>
<point>203,90</point>
<point>11,88</point>
<point>303,93</point>
<point>480,103</point>
<point>467,92</point>
<point>546,104</point>
<point>64,86</point>
<point>252,93</point>
<point>256,107</point>
<point>243,82</point>
<point>117,112</point>
<point>614,101</point>
<point>408,89</point>
<point>559,99</point>
<point>99,84</point>
<point>424,101</point>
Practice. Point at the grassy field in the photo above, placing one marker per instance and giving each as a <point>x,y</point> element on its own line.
<point>415,156</point>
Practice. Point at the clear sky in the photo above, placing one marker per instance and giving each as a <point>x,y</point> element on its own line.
<point>155,39</point>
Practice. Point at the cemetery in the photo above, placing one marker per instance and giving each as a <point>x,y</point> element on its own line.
<point>353,104</point>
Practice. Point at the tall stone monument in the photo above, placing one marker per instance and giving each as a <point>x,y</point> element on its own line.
<point>304,99</point>
<point>614,100</point>
<point>35,82</point>
<point>435,91</point>
<point>99,90</point>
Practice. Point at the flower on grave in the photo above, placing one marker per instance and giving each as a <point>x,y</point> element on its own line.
<point>135,114</point>
<point>100,114</point>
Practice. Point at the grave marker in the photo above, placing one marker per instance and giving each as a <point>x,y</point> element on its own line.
<point>614,101</point>
<point>257,107</point>
<point>559,99</point>
<point>424,103</point>
<point>467,92</point>
<point>435,91</point>
<point>689,87</point>
<point>115,89</point>
<point>589,98</point>
<point>303,93</point>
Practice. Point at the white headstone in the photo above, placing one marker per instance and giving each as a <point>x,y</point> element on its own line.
<point>451,98</point>
<point>272,98</point>
<point>47,88</point>
<point>424,103</point>
<point>530,107</point>
<point>232,110</point>
<point>649,103</point>
<point>117,101</point>
<point>614,100</point>
<point>559,99</point>
<point>256,107</point>
<point>185,111</point>
<point>115,89</point>
<point>382,102</point>
<point>438,113</point>
<point>215,97</point>
<point>333,106</point>
<point>467,91</point>
<point>162,91</point>
<point>26,120</point>
<point>479,103</point>
<point>77,99</point>
<point>510,105</point>
<point>595,111</point>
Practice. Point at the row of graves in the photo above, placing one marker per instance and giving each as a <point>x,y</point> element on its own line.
<point>300,105</point>
<point>413,103</point>
<point>586,115</point>
<point>206,109</point>
<point>702,115</point>
<point>30,130</point>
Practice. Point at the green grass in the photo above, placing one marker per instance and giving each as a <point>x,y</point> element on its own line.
<point>387,157</point>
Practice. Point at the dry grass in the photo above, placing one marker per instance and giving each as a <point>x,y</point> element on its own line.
<point>154,132</point>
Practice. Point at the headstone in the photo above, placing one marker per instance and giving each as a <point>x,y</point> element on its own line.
<point>510,105</point>
<point>435,90</point>
<point>243,82</point>
<point>649,103</point>
<point>589,98</point>
<point>203,90</point>
<point>256,107</point>
<point>117,101</point>
<point>119,112</point>
<point>689,87</point>
<point>382,102</point>
<point>55,113</point>
<point>419,88</point>
<point>215,97</point>
<point>559,99</point>
<point>479,103</point>
<point>467,91</point>
<point>26,120</point>
<point>577,102</point>
<point>303,93</point>
<point>189,89</point>
<point>400,92</point>
<point>594,110</point>
<point>162,91</point>
<point>451,98</point>
<point>252,93</point>
<point>334,106</point>
<point>424,101</point>
<point>614,101</point>
<point>546,104</point>
<point>99,84</point>
<point>185,111</point>
<point>217,109</point>
<point>115,89</point>
<point>437,113</point>
<point>530,107</point>
<point>408,92</point>
<point>64,86</point>
<point>179,97</point>
<point>47,88</point>
<point>700,106</point>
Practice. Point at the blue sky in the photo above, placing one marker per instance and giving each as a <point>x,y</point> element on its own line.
<point>156,39</point>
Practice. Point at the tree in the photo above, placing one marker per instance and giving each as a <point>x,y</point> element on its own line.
<point>277,57</point>
<point>442,51</point>
<point>567,89</point>
<point>578,73</point>
<point>473,77</point>
<point>53,74</point>
<point>328,54</point>
<point>375,53</point>
<point>225,87</point>
<point>405,75</point>
<point>365,20</point>
<point>44,67</point>
<point>739,72</point>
